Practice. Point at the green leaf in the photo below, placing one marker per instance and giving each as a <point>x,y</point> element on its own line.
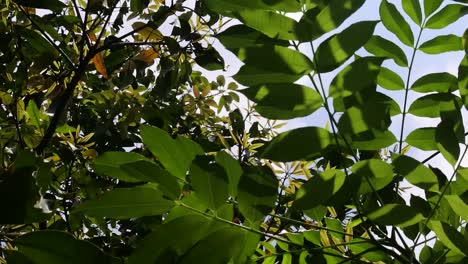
<point>125,203</point>
<point>55,247</point>
<point>396,23</point>
<point>373,139</point>
<point>316,22</point>
<point>449,236</point>
<point>447,141</point>
<point>463,80</point>
<point>14,256</point>
<point>441,44</point>
<point>338,48</point>
<point>373,175</point>
<point>458,205</point>
<point>359,76</point>
<point>446,16</point>
<point>138,5</point>
<point>389,80</point>
<point>415,172</point>
<point>367,250</point>
<point>283,100</point>
<point>433,105</point>
<point>284,65</point>
<point>257,192</point>
<point>413,10</point>
<point>133,167</point>
<point>272,24</point>
<point>36,46</point>
<point>317,190</point>
<point>396,215</point>
<point>227,245</point>
<point>304,143</point>
<point>35,115</point>
<point>423,138</point>
<point>382,47</point>
<point>442,82</point>
<point>232,168</point>
<point>54,5</point>
<point>193,234</point>
<point>226,7</point>
<point>241,36</point>
<point>175,154</point>
<point>210,182</point>
<point>210,59</point>
<point>430,6</point>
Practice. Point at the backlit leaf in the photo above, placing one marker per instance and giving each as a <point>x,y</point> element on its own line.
<point>389,80</point>
<point>433,105</point>
<point>415,172</point>
<point>423,138</point>
<point>283,100</point>
<point>175,154</point>
<point>148,55</point>
<point>147,32</point>
<point>396,215</point>
<point>449,236</point>
<point>319,189</point>
<point>125,203</point>
<point>442,44</point>
<point>257,193</point>
<point>447,141</point>
<point>54,5</point>
<point>413,10</point>
<point>382,47</point>
<point>227,7</point>
<point>373,174</point>
<point>272,24</point>
<point>463,80</point>
<point>98,61</point>
<point>395,23</point>
<point>459,204</point>
<point>241,36</point>
<point>442,82</point>
<point>430,6</point>
<point>335,50</point>
<point>210,182</point>
<point>446,16</point>
<point>232,168</point>
<point>299,144</point>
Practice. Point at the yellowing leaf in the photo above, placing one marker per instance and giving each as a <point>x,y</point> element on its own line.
<point>146,32</point>
<point>98,61</point>
<point>147,56</point>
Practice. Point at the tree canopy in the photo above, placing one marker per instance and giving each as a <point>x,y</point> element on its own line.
<point>124,140</point>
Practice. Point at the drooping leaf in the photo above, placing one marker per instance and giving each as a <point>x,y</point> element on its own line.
<point>423,138</point>
<point>335,50</point>
<point>232,168</point>
<point>395,23</point>
<point>210,182</point>
<point>283,100</point>
<point>382,47</point>
<point>396,215</point>
<point>415,172</point>
<point>442,82</point>
<point>441,44</point>
<point>413,10</point>
<point>270,23</point>
<point>133,167</point>
<point>257,192</point>
<point>298,144</point>
<point>389,80</point>
<point>373,175</point>
<point>319,189</point>
<point>125,203</point>
<point>316,22</point>
<point>98,61</point>
<point>358,76</point>
<point>284,65</point>
<point>449,236</point>
<point>433,105</point>
<point>175,154</point>
<point>57,247</point>
<point>54,5</point>
<point>430,6</point>
<point>447,141</point>
<point>446,16</point>
<point>241,36</point>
